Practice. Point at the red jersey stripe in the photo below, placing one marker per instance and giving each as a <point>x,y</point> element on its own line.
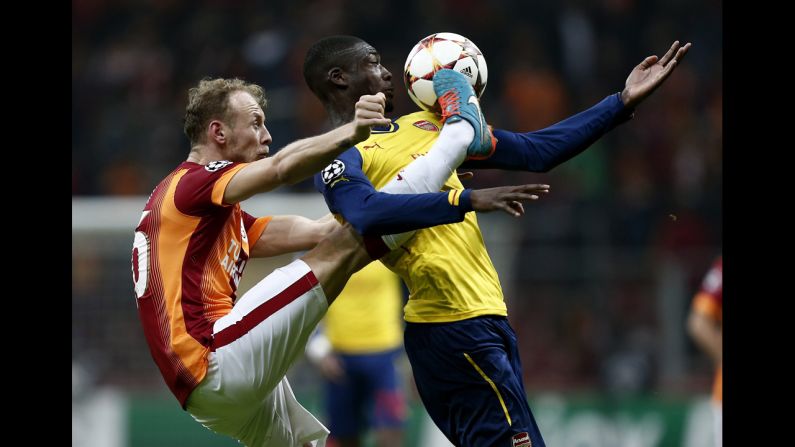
<point>264,310</point>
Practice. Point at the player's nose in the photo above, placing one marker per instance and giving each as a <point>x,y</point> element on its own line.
<point>265,137</point>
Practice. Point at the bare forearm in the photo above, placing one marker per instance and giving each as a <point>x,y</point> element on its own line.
<point>300,160</point>
<point>289,234</point>
<point>303,158</point>
<point>295,162</point>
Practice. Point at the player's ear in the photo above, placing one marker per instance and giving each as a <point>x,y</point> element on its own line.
<point>215,131</point>
<point>337,77</point>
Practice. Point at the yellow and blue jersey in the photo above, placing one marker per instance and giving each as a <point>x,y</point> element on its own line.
<point>438,291</point>
<point>446,267</point>
<point>366,316</point>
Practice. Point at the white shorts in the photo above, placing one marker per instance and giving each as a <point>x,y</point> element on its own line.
<point>245,393</point>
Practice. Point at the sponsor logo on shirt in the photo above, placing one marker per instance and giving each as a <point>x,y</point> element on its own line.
<point>426,125</point>
<point>231,262</point>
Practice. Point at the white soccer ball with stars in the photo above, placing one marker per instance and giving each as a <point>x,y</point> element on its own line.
<point>438,51</point>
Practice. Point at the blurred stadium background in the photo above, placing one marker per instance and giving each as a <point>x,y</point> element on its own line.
<point>598,275</point>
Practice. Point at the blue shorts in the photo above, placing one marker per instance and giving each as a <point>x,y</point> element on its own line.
<point>369,396</point>
<point>469,377</point>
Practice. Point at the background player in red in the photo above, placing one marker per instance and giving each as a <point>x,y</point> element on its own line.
<point>705,325</point>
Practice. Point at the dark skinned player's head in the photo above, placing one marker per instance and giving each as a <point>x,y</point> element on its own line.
<point>340,69</point>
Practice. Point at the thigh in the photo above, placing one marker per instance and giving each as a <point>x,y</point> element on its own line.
<point>282,421</point>
<point>266,331</point>
<point>469,379</point>
<point>212,408</point>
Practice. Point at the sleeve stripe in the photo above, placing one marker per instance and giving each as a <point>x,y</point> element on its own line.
<point>256,230</point>
<point>220,185</point>
<point>453,196</point>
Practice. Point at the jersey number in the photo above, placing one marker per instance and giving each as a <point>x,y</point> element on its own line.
<point>140,262</point>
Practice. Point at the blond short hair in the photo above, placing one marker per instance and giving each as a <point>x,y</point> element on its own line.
<point>210,100</point>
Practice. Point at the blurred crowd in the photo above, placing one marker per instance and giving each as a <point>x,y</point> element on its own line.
<point>592,263</point>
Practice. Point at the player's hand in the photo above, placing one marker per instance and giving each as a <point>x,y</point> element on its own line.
<point>506,198</point>
<point>369,112</point>
<point>650,74</point>
<point>331,368</point>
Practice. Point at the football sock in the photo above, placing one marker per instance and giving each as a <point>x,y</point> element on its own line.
<point>428,173</point>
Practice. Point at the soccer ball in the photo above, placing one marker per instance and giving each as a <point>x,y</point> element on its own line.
<point>437,51</point>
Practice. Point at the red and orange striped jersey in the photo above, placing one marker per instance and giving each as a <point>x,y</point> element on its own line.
<point>189,252</point>
<point>709,299</point>
<point>709,302</point>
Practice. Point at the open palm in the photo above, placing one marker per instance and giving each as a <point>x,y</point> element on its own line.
<point>650,74</point>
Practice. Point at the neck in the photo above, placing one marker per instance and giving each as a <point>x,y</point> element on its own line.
<point>340,108</point>
<point>339,115</point>
<point>202,154</point>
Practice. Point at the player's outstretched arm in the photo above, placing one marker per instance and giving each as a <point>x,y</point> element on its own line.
<point>506,198</point>
<point>301,159</point>
<point>349,193</point>
<point>542,150</point>
<point>650,74</point>
<point>343,252</point>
